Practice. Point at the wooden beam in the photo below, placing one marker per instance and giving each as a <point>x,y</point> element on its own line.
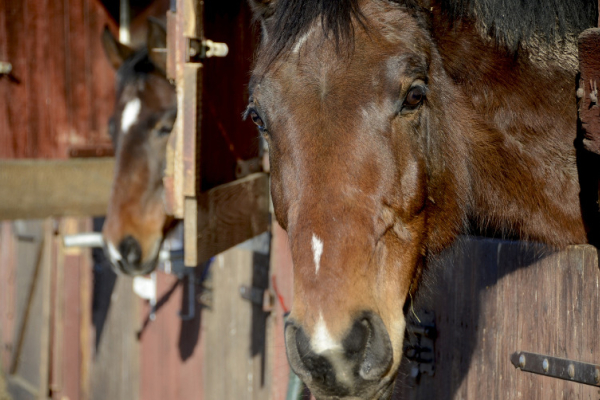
<point>226,216</point>
<point>43,188</point>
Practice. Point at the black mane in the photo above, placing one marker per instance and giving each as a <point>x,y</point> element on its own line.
<point>511,22</point>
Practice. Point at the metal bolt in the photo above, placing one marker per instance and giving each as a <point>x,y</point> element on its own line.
<point>545,365</point>
<point>193,51</point>
<point>580,93</point>
<point>522,361</point>
<point>597,376</point>
<point>5,68</point>
<point>571,371</point>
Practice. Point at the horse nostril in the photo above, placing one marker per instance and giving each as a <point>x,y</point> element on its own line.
<point>377,355</point>
<point>131,250</point>
<point>355,364</point>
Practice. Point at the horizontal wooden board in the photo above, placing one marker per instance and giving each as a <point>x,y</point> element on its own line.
<point>226,216</point>
<point>43,188</point>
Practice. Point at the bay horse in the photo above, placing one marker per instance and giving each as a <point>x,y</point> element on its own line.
<point>394,126</point>
<point>144,114</point>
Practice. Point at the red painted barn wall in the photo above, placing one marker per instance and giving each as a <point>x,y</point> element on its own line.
<point>61,90</point>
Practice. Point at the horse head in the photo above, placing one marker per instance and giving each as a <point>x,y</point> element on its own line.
<point>357,181</point>
<point>144,114</point>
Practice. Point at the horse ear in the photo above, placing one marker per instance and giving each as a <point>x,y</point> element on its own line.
<point>263,9</point>
<point>157,43</point>
<point>115,52</point>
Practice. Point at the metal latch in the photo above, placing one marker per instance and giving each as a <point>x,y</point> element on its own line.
<point>198,50</point>
<point>588,374</point>
<point>419,344</point>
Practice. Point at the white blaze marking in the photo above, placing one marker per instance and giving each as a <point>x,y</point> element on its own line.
<point>317,248</point>
<point>302,40</point>
<point>130,114</point>
<point>322,340</point>
<point>113,252</point>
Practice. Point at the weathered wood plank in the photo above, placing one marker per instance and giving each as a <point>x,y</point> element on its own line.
<point>29,369</point>
<point>36,189</point>
<point>519,297</point>
<point>172,350</point>
<point>236,329</point>
<point>115,373</point>
<point>228,215</point>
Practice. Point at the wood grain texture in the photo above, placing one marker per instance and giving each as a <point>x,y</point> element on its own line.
<point>230,214</point>
<point>115,373</point>
<point>29,369</point>
<point>35,189</point>
<point>172,350</point>
<point>61,90</point>
<point>492,298</point>
<point>236,329</point>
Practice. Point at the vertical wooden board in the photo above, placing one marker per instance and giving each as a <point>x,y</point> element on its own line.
<point>17,109</point>
<point>7,294</point>
<point>282,274</point>
<point>5,145</point>
<point>115,373</point>
<point>40,137</point>
<point>101,75</point>
<point>172,350</point>
<point>232,327</point>
<point>30,365</point>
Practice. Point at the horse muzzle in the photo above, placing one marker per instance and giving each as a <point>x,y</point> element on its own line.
<point>355,367</point>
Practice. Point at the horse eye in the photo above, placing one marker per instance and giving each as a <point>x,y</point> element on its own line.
<point>415,96</point>
<point>165,131</point>
<point>257,120</point>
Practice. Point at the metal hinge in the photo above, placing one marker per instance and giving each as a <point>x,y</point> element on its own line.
<point>419,344</point>
<point>588,374</point>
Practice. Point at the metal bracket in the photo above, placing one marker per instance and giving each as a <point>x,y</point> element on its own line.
<point>419,344</point>
<point>198,50</point>
<point>261,297</point>
<point>588,374</point>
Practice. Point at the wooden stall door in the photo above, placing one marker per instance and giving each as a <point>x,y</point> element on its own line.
<point>214,179</point>
<point>493,298</point>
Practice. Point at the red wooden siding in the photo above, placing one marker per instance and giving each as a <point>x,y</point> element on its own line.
<point>61,91</point>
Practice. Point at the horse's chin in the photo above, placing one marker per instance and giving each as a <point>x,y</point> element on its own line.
<point>383,393</point>
<point>142,269</point>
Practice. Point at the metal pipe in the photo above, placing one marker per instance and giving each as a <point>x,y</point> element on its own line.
<point>124,22</point>
<point>92,239</point>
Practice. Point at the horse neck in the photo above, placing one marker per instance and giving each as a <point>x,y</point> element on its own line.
<point>519,132</point>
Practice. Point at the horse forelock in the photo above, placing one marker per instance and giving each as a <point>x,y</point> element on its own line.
<point>510,23</point>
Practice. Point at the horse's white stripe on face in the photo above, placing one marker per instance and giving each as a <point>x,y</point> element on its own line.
<point>317,248</point>
<point>113,252</point>
<point>302,40</point>
<point>130,114</point>
<point>322,340</point>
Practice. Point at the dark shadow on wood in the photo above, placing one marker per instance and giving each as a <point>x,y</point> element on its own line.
<point>104,284</point>
<point>159,303</point>
<point>475,264</point>
<point>260,280</point>
<point>189,334</point>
